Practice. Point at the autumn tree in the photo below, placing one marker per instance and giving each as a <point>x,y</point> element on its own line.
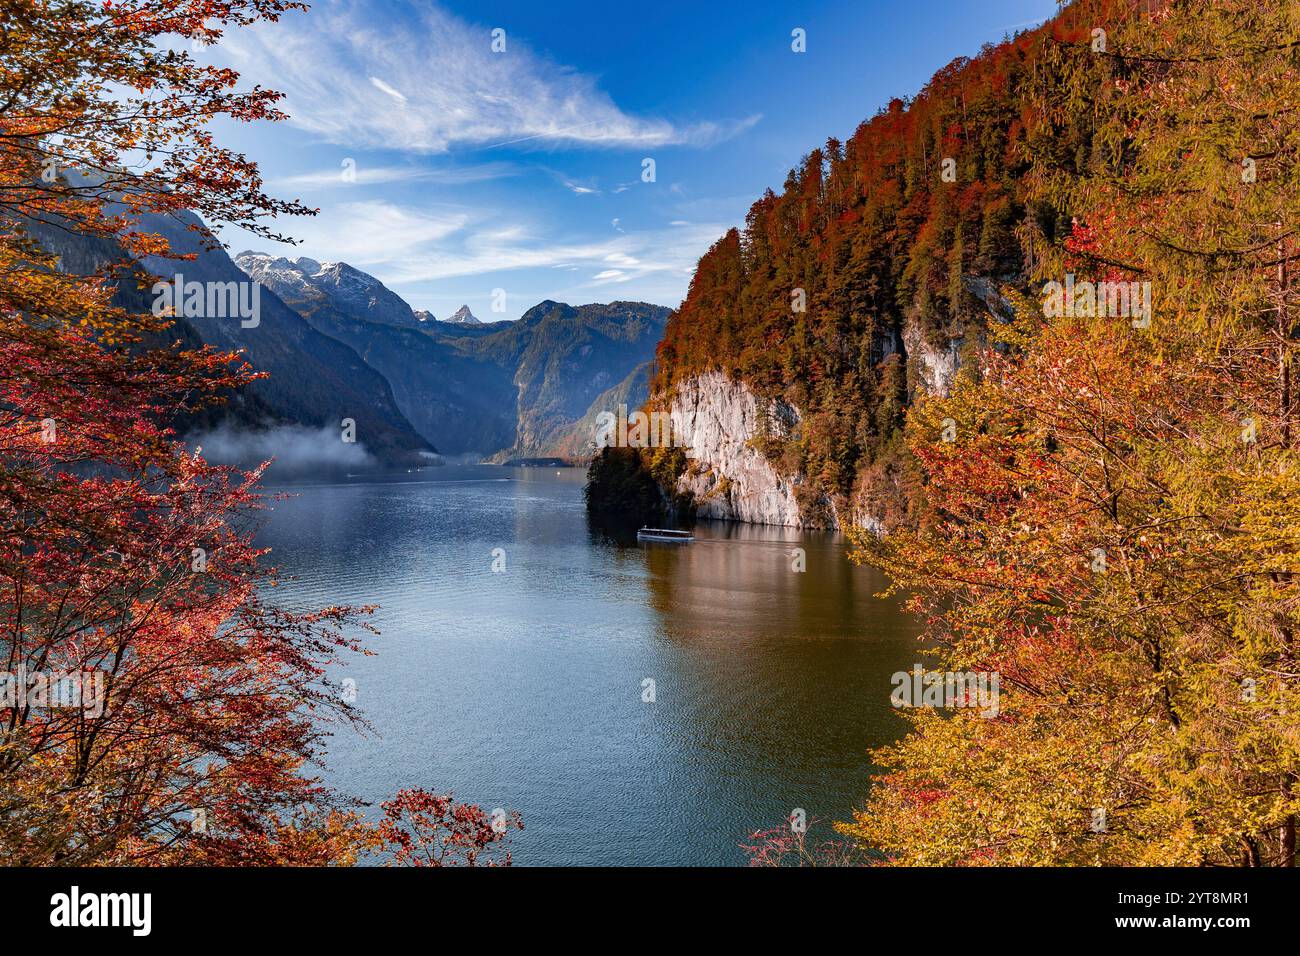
<point>157,710</point>
<point>838,282</point>
<point>424,829</point>
<point>1114,500</point>
<point>795,845</point>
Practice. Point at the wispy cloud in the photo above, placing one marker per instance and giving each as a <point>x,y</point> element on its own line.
<point>406,246</point>
<point>363,175</point>
<point>375,232</point>
<point>383,87</point>
<point>425,81</point>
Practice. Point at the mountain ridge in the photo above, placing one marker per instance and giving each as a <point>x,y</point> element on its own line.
<point>313,380</point>
<point>505,389</point>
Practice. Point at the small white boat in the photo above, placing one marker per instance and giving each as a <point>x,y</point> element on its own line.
<point>664,534</point>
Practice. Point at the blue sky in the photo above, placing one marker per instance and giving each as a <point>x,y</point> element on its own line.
<point>451,171</point>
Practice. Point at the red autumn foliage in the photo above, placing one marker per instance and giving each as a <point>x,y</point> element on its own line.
<point>789,845</point>
<point>431,829</point>
<point>124,555</point>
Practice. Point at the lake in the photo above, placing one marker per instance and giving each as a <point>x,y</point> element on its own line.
<point>523,687</point>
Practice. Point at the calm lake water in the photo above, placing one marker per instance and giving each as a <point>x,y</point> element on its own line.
<point>523,688</point>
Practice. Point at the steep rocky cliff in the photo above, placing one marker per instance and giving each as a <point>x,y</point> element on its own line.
<point>726,474</point>
<point>730,430</point>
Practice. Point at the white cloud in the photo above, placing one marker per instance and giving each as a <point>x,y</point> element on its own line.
<point>415,251</point>
<point>383,87</point>
<point>404,246</point>
<point>363,175</point>
<point>374,232</point>
<point>442,85</point>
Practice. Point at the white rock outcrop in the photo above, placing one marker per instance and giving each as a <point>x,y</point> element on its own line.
<point>937,367</point>
<point>730,478</point>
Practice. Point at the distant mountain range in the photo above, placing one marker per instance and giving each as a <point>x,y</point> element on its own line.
<point>501,389</point>
<point>568,364</point>
<point>338,344</point>
<point>314,380</point>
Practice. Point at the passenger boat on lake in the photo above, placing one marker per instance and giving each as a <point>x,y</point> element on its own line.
<point>664,534</point>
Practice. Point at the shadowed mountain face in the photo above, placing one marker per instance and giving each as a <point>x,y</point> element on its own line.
<point>566,360</point>
<point>630,394</point>
<point>313,380</point>
<point>467,402</point>
<point>337,344</point>
<point>504,389</point>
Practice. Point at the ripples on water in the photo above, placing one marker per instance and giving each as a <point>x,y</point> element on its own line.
<point>522,689</point>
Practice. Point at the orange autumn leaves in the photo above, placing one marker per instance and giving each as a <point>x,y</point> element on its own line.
<point>1113,524</point>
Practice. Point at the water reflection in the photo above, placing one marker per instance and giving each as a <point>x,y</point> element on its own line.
<point>524,688</point>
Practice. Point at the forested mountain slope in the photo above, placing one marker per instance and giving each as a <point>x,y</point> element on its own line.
<point>872,274</point>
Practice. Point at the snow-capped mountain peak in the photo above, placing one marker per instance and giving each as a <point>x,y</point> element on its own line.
<point>356,293</point>
<point>463,316</point>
